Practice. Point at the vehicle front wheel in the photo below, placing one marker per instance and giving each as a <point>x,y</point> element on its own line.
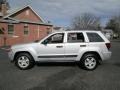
<point>89,62</point>
<point>24,61</point>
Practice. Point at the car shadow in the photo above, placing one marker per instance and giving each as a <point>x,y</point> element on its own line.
<point>52,64</point>
<point>117,64</point>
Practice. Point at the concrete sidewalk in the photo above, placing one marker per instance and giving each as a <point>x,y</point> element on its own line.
<point>4,47</point>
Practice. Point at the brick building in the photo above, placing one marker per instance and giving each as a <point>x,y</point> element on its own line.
<point>21,25</point>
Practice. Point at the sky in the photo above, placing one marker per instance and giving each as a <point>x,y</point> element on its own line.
<point>61,12</point>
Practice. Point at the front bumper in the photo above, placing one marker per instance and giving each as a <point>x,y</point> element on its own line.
<point>11,55</point>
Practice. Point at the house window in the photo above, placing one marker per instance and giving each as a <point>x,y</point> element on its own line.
<point>10,29</point>
<point>48,30</point>
<point>26,31</point>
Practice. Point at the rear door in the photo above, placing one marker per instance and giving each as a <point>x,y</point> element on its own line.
<point>75,42</point>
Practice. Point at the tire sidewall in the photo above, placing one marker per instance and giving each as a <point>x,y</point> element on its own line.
<point>31,61</point>
<point>83,61</point>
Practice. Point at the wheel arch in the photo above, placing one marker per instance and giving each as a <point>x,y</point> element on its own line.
<point>22,52</point>
<point>95,53</point>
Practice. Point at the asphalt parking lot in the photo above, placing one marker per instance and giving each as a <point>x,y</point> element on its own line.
<point>61,76</point>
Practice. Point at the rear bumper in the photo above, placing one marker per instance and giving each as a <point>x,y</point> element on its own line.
<point>107,55</point>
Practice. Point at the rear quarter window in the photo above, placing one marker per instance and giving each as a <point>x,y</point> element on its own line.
<point>94,37</point>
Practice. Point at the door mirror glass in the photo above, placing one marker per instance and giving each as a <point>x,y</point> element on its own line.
<point>45,42</point>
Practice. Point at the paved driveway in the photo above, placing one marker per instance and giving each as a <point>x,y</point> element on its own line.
<point>56,76</point>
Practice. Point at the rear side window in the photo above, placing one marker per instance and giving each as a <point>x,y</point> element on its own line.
<point>94,37</point>
<point>75,37</point>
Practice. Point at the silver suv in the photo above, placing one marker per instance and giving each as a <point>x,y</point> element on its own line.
<point>88,48</point>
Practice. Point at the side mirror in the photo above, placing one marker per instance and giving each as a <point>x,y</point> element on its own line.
<point>45,42</point>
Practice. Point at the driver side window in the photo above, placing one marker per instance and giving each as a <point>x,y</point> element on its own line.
<point>56,38</point>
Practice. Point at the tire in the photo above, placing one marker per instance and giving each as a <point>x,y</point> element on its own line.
<point>89,62</point>
<point>24,61</point>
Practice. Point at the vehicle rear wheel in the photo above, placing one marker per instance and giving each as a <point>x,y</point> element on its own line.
<point>24,61</point>
<point>89,62</point>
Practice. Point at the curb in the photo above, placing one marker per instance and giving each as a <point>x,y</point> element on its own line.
<point>5,48</point>
<point>115,40</point>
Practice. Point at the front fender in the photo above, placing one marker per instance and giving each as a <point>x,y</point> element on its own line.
<point>28,49</point>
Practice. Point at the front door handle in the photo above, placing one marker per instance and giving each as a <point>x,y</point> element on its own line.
<point>59,46</point>
<point>82,45</point>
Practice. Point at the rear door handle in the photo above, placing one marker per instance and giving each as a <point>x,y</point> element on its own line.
<point>59,46</point>
<point>82,45</point>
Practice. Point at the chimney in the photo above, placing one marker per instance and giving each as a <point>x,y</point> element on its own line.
<point>4,9</point>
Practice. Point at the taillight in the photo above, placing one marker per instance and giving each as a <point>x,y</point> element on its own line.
<point>108,45</point>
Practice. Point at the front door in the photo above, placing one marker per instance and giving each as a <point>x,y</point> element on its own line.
<point>52,48</point>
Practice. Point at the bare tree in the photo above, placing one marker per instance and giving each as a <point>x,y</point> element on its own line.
<point>86,21</point>
<point>114,23</point>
